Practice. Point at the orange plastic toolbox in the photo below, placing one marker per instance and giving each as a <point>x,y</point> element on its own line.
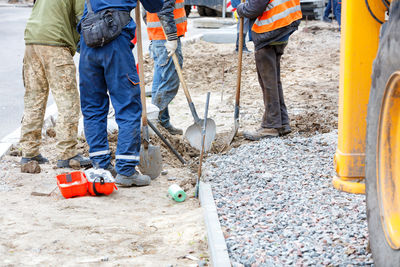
<point>72,184</point>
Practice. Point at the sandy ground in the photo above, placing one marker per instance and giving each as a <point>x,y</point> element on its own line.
<point>142,226</point>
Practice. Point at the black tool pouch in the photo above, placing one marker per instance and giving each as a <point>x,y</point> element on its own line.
<point>98,29</point>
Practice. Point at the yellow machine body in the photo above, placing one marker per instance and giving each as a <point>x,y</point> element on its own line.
<point>359,45</point>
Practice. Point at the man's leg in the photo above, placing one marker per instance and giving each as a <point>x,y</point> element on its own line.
<point>266,59</point>
<point>338,14</point>
<point>284,114</point>
<point>95,104</point>
<point>35,100</point>
<point>246,23</point>
<point>267,76</point>
<point>166,83</point>
<point>61,72</point>
<point>327,11</point>
<point>123,85</point>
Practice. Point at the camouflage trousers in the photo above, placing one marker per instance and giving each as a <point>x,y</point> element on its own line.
<point>49,67</point>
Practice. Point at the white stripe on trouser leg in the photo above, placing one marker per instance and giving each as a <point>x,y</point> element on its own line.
<point>99,153</point>
<point>128,157</point>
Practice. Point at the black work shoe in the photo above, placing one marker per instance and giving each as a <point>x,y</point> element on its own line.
<point>83,161</point>
<point>39,158</point>
<point>172,130</point>
<point>135,179</point>
<point>285,130</point>
<point>112,170</point>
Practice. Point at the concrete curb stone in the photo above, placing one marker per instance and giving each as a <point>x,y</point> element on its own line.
<point>216,241</point>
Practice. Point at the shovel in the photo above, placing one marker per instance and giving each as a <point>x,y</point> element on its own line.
<point>203,138</point>
<point>150,156</point>
<point>193,133</point>
<point>238,80</point>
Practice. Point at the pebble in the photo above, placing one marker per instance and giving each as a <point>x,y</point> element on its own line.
<point>164,172</point>
<point>171,178</point>
<point>277,199</point>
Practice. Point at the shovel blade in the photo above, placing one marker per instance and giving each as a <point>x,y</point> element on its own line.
<point>234,132</point>
<point>193,134</point>
<point>150,161</point>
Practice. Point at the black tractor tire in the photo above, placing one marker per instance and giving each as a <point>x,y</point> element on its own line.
<point>188,8</point>
<point>386,63</point>
<point>202,11</point>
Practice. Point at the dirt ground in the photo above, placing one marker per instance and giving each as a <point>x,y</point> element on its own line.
<point>143,226</point>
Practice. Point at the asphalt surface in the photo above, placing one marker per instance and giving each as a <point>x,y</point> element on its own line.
<point>12,26</point>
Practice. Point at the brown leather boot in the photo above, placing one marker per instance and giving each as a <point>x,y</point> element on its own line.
<point>285,130</point>
<point>261,133</point>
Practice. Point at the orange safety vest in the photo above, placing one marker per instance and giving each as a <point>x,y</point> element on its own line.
<point>154,28</point>
<point>278,14</point>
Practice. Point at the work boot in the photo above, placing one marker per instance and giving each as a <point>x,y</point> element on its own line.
<point>39,158</point>
<point>172,130</point>
<point>135,179</point>
<point>245,50</point>
<point>326,19</point>
<point>285,130</point>
<point>261,133</point>
<point>83,161</point>
<point>112,170</point>
<point>163,119</point>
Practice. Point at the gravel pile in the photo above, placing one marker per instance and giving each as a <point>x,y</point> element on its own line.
<point>277,206</point>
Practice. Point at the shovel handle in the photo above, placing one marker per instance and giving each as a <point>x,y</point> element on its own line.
<point>239,71</point>
<point>140,63</point>
<point>185,88</point>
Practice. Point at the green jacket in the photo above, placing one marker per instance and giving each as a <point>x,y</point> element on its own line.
<point>53,22</point>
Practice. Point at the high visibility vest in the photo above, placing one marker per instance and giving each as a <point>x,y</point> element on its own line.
<point>154,28</point>
<point>278,14</point>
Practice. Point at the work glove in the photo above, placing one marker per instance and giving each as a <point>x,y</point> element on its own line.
<point>171,47</point>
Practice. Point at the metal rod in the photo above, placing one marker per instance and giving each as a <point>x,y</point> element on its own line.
<point>203,136</point>
<point>168,144</point>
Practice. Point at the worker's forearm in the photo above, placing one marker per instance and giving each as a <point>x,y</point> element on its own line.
<point>252,8</point>
<point>166,16</point>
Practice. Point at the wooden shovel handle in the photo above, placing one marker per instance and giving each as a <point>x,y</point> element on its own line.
<point>180,74</point>
<point>140,63</point>
<point>240,54</point>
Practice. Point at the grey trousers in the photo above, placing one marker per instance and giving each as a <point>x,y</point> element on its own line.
<point>268,65</point>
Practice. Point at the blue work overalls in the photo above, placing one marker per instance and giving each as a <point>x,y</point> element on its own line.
<point>110,71</point>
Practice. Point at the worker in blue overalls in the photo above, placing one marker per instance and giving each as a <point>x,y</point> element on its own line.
<point>107,69</point>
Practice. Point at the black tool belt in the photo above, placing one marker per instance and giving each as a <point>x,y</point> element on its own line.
<point>98,29</point>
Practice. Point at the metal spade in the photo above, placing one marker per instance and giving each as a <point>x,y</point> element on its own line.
<point>193,133</point>
<point>150,156</point>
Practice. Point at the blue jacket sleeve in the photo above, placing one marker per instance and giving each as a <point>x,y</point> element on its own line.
<point>252,8</point>
<point>152,6</point>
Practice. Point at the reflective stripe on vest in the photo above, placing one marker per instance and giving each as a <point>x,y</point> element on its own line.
<point>154,28</point>
<point>278,14</point>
